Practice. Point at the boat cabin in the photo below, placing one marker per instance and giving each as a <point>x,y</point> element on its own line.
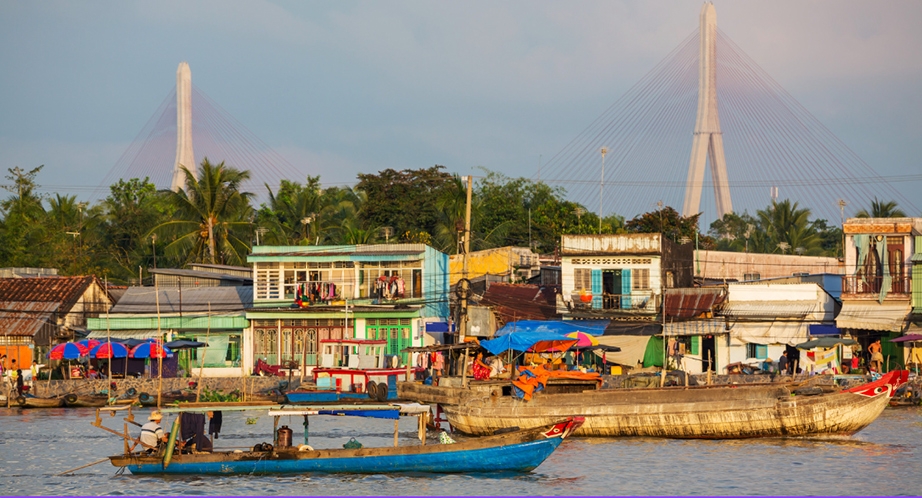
<point>352,353</point>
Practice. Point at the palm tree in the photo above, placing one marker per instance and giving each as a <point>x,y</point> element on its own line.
<point>881,209</point>
<point>290,215</point>
<point>213,217</point>
<point>783,222</point>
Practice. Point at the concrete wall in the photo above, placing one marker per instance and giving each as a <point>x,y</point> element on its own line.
<point>734,265</point>
<point>255,384</point>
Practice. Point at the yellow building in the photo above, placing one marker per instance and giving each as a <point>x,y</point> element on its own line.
<point>516,263</point>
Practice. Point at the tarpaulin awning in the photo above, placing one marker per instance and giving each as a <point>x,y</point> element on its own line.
<point>768,309</point>
<point>559,327</point>
<point>433,327</point>
<point>521,341</point>
<point>873,316</point>
<point>824,329</point>
<point>633,348</point>
<point>696,327</point>
<point>774,332</point>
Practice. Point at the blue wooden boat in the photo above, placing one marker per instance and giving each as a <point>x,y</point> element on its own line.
<point>516,450</point>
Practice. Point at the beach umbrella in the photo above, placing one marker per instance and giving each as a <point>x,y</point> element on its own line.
<point>149,350</point>
<point>89,343</point>
<point>109,350</point>
<point>130,343</point>
<point>67,351</point>
<point>184,344</point>
<point>825,342</point>
<point>583,339</point>
<point>908,338</point>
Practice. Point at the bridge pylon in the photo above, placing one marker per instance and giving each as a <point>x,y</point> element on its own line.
<point>184,155</point>
<point>707,144</point>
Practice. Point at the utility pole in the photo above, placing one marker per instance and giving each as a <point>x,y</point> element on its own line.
<point>464,285</point>
<point>842,204</point>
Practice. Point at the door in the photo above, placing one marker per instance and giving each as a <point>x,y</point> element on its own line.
<point>708,353</point>
<point>611,288</point>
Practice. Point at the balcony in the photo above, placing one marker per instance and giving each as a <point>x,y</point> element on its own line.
<point>623,303</point>
<point>858,287</point>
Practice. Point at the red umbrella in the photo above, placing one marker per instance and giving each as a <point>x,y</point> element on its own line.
<point>109,350</point>
<point>67,351</point>
<point>89,343</point>
<point>149,350</point>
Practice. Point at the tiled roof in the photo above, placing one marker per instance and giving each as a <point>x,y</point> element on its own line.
<point>62,290</point>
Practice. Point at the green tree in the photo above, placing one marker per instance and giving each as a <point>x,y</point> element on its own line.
<point>213,219</point>
<point>667,221</point>
<point>22,230</point>
<point>404,200</point>
<point>881,209</point>
<point>789,228</point>
<point>291,215</point>
<point>128,214</point>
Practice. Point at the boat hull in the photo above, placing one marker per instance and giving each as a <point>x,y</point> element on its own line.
<point>520,451</point>
<point>722,412</point>
<point>31,402</point>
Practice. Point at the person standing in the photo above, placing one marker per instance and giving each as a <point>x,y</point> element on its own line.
<point>438,364</point>
<point>19,381</point>
<point>877,358</point>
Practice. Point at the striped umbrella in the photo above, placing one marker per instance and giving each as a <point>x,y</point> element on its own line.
<point>109,350</point>
<point>150,350</point>
<point>90,343</point>
<point>67,351</point>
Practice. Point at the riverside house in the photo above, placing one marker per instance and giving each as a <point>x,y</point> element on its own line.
<point>307,294</point>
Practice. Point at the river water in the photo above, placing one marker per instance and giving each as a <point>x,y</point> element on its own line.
<point>884,459</point>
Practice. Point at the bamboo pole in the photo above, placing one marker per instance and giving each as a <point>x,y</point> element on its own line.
<point>83,466</point>
<point>201,369</point>
<point>160,340</point>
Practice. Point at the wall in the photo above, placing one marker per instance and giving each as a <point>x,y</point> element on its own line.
<point>721,265</point>
<point>85,386</point>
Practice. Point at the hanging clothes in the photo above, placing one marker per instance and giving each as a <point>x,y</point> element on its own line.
<point>214,425</point>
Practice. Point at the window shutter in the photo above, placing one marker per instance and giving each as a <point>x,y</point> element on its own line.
<point>626,289</point>
<point>596,289</point>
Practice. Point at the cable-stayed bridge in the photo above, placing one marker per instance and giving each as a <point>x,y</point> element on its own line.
<point>706,103</point>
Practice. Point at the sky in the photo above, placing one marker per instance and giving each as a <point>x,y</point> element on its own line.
<point>349,87</point>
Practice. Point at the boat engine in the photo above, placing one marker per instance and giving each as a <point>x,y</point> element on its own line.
<point>284,436</point>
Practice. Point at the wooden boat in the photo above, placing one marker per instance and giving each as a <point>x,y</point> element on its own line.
<point>706,412</point>
<point>73,400</point>
<point>519,451</point>
<point>29,401</point>
<point>165,398</point>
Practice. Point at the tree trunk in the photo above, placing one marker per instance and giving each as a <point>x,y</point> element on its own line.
<point>211,249</point>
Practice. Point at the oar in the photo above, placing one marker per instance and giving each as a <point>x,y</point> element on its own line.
<point>83,467</point>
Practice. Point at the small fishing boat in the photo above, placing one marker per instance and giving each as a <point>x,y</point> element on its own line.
<point>165,398</point>
<point>74,400</point>
<point>518,450</point>
<point>30,401</point>
<point>703,412</point>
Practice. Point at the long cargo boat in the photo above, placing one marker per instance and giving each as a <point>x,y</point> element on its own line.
<point>705,412</point>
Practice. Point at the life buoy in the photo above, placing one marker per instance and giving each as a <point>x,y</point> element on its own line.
<point>21,400</point>
<point>70,398</point>
<point>145,398</point>
<point>132,391</point>
<point>305,447</point>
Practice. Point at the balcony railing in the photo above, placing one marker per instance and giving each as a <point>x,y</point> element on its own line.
<point>615,302</point>
<point>871,285</point>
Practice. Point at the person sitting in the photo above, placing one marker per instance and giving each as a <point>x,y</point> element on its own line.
<point>151,433</point>
<point>92,373</point>
<point>480,370</point>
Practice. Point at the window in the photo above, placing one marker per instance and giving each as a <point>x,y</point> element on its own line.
<point>582,279</point>
<point>640,279</point>
<point>233,350</point>
<point>757,351</point>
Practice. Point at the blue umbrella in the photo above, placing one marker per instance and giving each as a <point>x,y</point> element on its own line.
<point>67,351</point>
<point>150,350</point>
<point>105,350</point>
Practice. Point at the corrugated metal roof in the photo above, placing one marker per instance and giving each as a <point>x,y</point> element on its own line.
<point>692,302</point>
<point>19,318</point>
<point>873,316</point>
<point>521,302</point>
<point>768,309</point>
<point>195,299</point>
<point>199,274</point>
<point>626,243</point>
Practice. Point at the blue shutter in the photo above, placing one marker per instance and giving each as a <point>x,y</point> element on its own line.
<point>761,351</point>
<point>626,289</point>
<point>596,289</point>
